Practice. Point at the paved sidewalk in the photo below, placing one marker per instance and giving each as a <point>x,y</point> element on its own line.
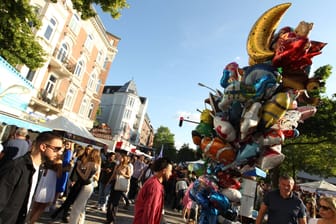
<point>93,215</point>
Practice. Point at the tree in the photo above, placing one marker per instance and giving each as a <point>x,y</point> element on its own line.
<point>163,138</point>
<point>186,154</point>
<point>113,7</point>
<point>313,151</point>
<point>17,41</point>
<point>18,19</point>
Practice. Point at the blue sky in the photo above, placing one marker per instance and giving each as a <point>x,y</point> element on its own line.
<point>168,47</point>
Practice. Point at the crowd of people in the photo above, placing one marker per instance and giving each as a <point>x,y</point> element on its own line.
<point>56,175</point>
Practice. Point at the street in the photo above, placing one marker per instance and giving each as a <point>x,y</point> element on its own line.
<point>93,215</point>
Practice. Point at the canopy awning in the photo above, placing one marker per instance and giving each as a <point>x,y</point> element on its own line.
<point>73,131</point>
<point>321,185</point>
<point>22,123</point>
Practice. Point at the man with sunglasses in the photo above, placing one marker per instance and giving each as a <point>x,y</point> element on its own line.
<point>282,205</point>
<point>18,177</point>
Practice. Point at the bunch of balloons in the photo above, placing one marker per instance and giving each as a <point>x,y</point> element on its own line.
<point>260,106</point>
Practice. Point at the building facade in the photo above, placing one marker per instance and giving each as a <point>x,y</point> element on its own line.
<point>125,112</point>
<point>79,56</point>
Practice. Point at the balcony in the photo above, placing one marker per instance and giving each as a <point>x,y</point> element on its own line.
<point>64,68</point>
<point>46,105</point>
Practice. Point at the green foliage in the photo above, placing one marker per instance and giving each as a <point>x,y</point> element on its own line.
<point>18,19</point>
<point>17,41</point>
<point>113,7</point>
<point>186,154</point>
<point>323,72</point>
<point>314,150</point>
<point>163,137</point>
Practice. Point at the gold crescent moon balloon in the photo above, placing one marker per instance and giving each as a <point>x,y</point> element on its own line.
<point>260,36</point>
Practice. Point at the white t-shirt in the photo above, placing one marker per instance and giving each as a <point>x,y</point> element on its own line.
<point>33,186</point>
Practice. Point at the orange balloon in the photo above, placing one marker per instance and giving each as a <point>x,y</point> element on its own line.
<point>217,150</point>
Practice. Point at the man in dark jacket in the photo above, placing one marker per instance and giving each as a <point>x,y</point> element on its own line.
<point>18,177</point>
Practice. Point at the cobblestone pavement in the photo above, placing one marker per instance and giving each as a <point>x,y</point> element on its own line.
<point>93,215</point>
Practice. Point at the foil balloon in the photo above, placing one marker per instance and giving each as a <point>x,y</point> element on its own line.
<point>293,133</point>
<point>234,92</point>
<point>248,151</point>
<point>234,114</point>
<point>224,129</point>
<point>306,112</point>
<point>219,201</point>
<point>206,116</point>
<point>261,105</point>
<point>250,120</point>
<point>230,73</point>
<point>292,48</point>
<point>217,150</point>
<point>208,216</point>
<point>273,137</point>
<point>232,194</point>
<point>201,130</point>
<point>226,180</point>
<point>275,109</point>
<point>271,159</point>
<point>199,196</point>
<point>260,36</point>
<point>264,78</point>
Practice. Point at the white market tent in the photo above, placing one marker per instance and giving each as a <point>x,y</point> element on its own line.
<point>321,186</point>
<point>62,123</point>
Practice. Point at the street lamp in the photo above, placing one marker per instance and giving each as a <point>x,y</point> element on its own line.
<point>201,84</point>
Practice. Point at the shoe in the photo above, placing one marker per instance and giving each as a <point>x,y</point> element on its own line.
<point>99,207</point>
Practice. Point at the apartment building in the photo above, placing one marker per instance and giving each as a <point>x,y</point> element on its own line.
<point>125,112</point>
<point>79,56</point>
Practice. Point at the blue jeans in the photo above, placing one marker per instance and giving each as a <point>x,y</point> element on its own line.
<point>104,191</point>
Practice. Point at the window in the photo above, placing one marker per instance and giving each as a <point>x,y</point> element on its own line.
<point>88,42</point>
<point>92,80</point>
<point>63,53</point>
<point>90,110</point>
<point>127,114</point>
<point>79,68</point>
<point>49,89</point>
<point>31,74</point>
<point>69,98</point>
<point>83,107</point>
<point>105,63</point>
<point>74,24</point>
<point>50,29</point>
<point>98,83</point>
<point>99,57</point>
<point>130,102</point>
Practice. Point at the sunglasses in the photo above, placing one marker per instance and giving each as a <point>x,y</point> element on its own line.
<point>54,148</point>
<point>324,207</point>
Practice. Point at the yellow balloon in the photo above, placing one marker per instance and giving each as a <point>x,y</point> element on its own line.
<point>260,36</point>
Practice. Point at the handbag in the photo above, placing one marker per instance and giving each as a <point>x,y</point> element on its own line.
<point>121,184</point>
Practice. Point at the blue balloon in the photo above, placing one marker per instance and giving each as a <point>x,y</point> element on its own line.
<point>248,151</point>
<point>219,201</point>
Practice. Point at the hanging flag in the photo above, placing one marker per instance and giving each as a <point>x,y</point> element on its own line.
<point>161,152</point>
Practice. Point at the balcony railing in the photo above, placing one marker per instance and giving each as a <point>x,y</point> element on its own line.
<point>54,101</point>
<point>64,66</point>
